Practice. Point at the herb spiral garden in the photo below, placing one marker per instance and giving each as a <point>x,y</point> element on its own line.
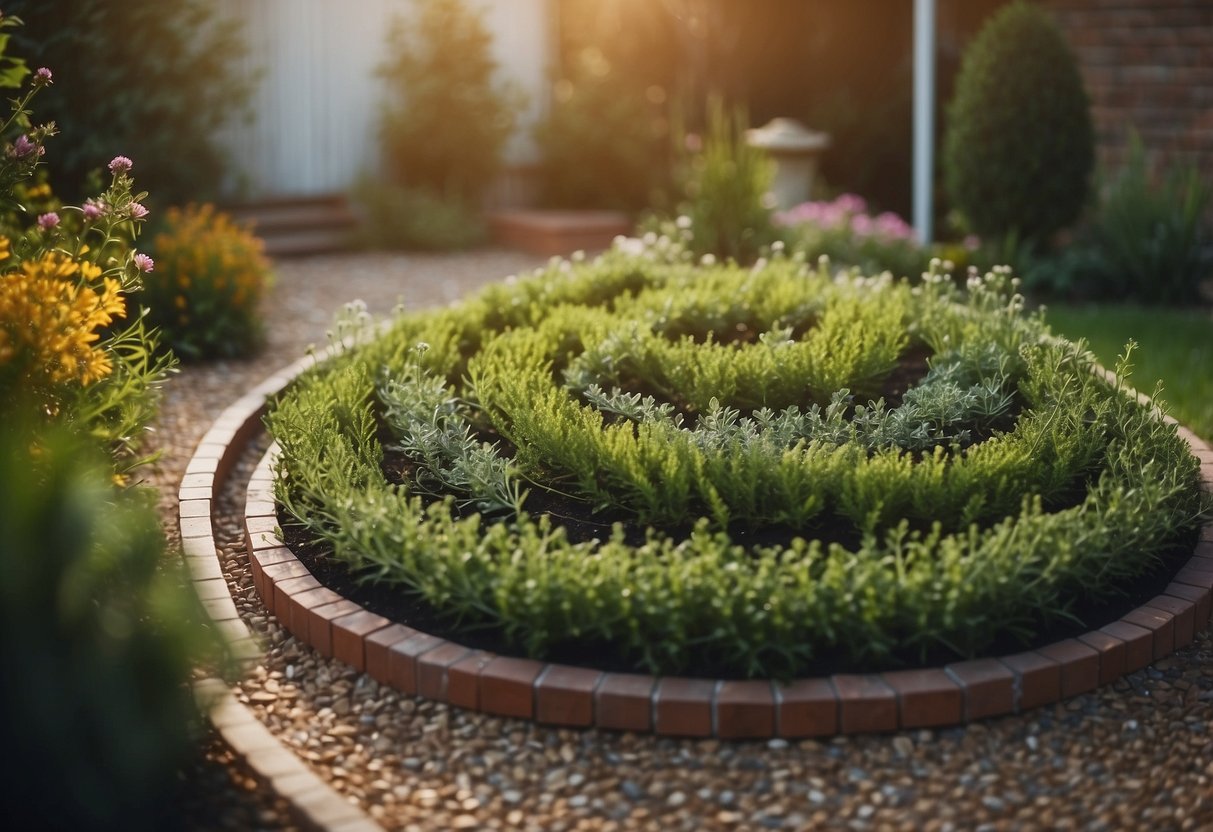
<point>642,463</point>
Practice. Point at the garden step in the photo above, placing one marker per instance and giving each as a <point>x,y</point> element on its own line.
<point>307,241</point>
<point>270,219</point>
<point>298,226</point>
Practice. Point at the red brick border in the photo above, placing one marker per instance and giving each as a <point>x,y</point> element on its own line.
<point>417,663</point>
<point>291,589</point>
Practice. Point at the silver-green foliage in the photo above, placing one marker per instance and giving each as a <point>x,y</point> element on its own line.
<point>1012,480</point>
<point>432,428</point>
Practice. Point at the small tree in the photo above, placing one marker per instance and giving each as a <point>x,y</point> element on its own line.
<point>1020,147</point>
<point>603,144</point>
<point>446,122</point>
<point>726,190</point>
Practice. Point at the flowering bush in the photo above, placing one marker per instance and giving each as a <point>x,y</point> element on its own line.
<point>72,347</point>
<point>209,277</point>
<point>97,631</point>
<point>844,231</point>
<point>52,315</point>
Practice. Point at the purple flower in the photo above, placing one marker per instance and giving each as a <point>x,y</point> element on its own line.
<point>145,263</point>
<point>43,77</point>
<point>92,209</point>
<point>120,164</point>
<point>48,221</point>
<point>138,211</point>
<point>22,147</point>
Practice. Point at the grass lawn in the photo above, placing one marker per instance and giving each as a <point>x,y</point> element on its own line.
<point>1176,346</point>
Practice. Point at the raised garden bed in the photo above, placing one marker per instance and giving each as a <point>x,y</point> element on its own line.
<point>819,534</point>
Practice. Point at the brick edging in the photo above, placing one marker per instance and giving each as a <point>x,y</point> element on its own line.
<point>311,801</point>
<point>421,664</point>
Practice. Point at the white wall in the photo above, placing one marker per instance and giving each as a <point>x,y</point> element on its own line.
<point>317,103</point>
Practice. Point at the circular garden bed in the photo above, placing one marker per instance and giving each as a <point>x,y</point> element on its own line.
<point>713,472</point>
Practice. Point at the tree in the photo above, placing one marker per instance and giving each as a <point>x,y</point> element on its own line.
<point>148,79</point>
<point>446,123</point>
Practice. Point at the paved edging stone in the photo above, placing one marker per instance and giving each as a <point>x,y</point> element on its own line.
<point>311,801</point>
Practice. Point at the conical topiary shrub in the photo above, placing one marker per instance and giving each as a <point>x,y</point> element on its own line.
<point>1019,148</point>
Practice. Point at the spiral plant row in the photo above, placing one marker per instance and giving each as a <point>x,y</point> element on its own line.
<point>711,469</point>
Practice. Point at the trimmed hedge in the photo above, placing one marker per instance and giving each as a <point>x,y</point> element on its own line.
<point>565,474</point>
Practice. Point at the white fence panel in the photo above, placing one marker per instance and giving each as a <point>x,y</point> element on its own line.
<point>317,101</point>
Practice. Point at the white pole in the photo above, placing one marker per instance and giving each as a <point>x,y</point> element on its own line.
<point>924,116</point>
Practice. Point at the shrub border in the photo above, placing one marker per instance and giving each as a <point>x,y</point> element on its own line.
<point>418,663</point>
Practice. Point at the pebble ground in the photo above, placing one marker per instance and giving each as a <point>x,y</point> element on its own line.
<point>1135,755</point>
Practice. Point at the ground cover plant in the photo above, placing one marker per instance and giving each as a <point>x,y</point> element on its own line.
<point>716,469</point>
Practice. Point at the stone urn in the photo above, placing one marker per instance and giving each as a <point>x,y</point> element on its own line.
<point>795,150</point>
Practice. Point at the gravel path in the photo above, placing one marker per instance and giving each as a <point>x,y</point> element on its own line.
<point>1136,755</point>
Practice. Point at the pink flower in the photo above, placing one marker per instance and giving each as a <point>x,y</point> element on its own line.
<point>891,226</point>
<point>43,77</point>
<point>22,147</point>
<point>48,221</point>
<point>144,263</point>
<point>138,211</point>
<point>92,209</point>
<point>851,204</point>
<point>120,164</point>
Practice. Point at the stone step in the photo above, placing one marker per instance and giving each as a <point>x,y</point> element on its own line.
<point>298,226</point>
<point>265,221</point>
<point>307,241</point>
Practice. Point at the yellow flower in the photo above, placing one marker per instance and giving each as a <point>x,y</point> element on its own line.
<point>49,317</point>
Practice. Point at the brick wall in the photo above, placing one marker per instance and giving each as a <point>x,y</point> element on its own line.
<point>1148,65</point>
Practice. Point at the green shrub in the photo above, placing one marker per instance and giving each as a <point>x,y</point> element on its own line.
<point>446,123</point>
<point>1019,146</point>
<point>601,145</point>
<point>726,191</point>
<point>1152,236</point>
<point>728,467</point>
<point>395,217</point>
<point>206,289</point>
<point>151,79</point>
<point>1146,241</point>
<point>98,639</point>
